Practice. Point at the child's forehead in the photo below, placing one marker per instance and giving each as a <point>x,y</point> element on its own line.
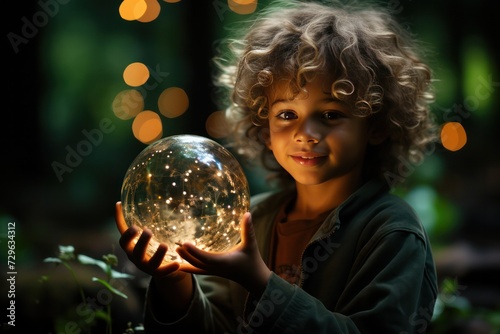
<point>281,90</point>
<point>286,89</point>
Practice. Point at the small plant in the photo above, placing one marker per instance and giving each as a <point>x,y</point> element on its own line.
<point>453,311</point>
<point>67,257</point>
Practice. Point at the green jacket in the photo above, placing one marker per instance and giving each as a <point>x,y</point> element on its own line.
<point>368,269</point>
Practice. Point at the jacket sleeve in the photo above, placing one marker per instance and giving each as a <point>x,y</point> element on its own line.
<point>383,295</point>
<point>212,309</point>
<point>217,305</point>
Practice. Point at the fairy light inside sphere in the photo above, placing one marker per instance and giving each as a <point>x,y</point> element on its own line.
<point>186,188</point>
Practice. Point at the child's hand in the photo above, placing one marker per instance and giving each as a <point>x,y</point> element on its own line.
<point>137,252</point>
<point>242,264</point>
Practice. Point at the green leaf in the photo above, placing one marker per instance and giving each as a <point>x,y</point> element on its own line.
<point>52,259</point>
<point>110,259</point>
<point>117,274</point>
<point>109,287</point>
<point>66,252</point>
<point>66,249</point>
<point>84,259</point>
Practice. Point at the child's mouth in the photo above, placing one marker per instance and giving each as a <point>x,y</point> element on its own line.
<point>308,161</point>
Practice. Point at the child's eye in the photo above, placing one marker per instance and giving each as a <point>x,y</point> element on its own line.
<point>286,115</point>
<point>332,115</point>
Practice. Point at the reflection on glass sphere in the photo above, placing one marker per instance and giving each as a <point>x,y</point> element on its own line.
<point>186,188</point>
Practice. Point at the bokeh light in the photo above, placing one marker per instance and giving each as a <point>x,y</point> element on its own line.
<point>131,10</point>
<point>217,125</point>
<point>152,11</point>
<point>147,127</point>
<point>453,136</point>
<point>136,74</point>
<point>242,7</point>
<point>478,84</point>
<point>173,102</point>
<point>128,104</point>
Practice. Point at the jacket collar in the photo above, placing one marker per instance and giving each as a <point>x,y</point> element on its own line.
<point>266,206</point>
<point>360,198</point>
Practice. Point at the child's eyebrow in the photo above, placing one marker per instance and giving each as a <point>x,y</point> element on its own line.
<point>328,99</point>
<point>280,101</point>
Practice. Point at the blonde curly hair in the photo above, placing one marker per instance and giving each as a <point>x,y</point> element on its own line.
<point>375,65</point>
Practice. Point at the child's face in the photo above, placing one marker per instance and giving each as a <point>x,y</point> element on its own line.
<point>314,136</point>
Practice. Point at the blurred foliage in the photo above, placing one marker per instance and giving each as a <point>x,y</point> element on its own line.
<point>453,312</point>
<point>87,314</point>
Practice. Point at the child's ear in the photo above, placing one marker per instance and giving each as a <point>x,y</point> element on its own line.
<point>266,137</point>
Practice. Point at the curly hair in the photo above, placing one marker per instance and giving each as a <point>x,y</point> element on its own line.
<point>372,60</point>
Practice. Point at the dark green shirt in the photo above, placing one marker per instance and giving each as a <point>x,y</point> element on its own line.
<point>368,269</point>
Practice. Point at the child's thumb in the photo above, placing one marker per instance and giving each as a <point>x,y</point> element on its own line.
<point>248,232</point>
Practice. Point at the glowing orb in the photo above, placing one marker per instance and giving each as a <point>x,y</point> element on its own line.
<point>186,188</point>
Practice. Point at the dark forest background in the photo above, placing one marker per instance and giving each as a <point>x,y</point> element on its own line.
<point>64,61</point>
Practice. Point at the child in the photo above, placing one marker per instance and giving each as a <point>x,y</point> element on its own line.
<point>332,98</point>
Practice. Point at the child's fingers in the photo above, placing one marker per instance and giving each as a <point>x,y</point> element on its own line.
<point>156,260</point>
<point>193,255</point>
<point>189,268</point>
<point>127,238</point>
<point>247,231</point>
<point>119,219</point>
<point>141,246</point>
<point>167,269</point>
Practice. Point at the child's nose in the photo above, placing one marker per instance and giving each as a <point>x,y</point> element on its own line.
<point>307,132</point>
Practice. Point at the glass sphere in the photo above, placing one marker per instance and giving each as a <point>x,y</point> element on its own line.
<point>186,188</point>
